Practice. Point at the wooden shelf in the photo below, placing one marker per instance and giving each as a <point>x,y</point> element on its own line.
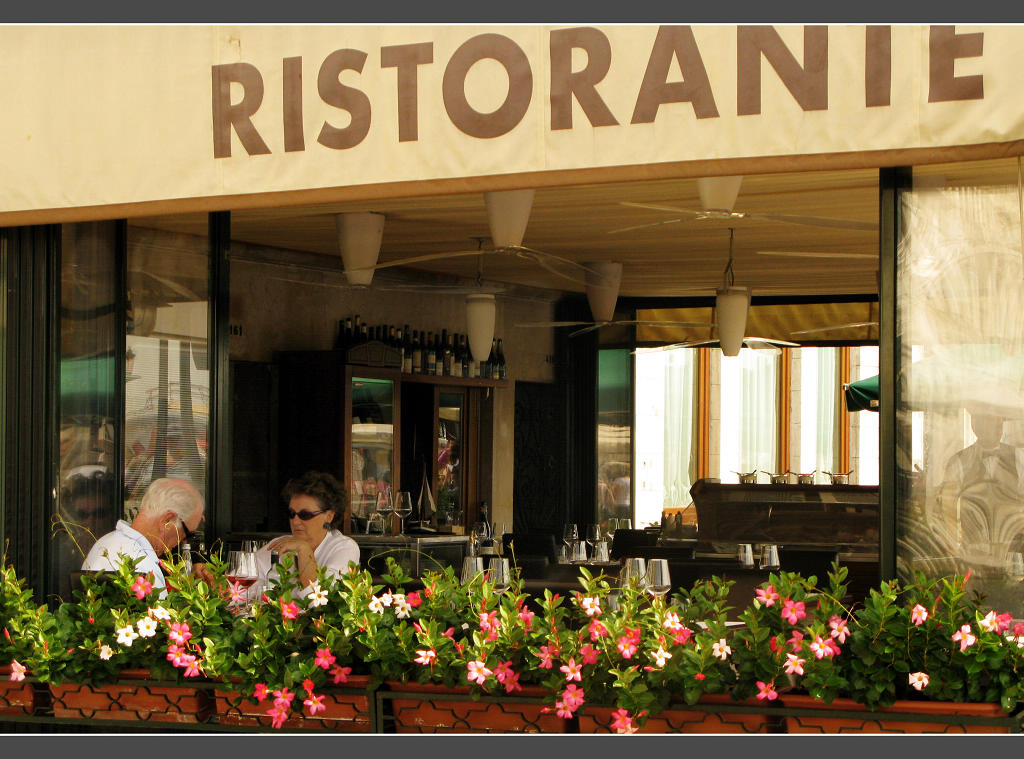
<point>430,379</point>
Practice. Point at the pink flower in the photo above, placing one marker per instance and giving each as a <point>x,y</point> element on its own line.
<point>341,674</point>
<point>488,621</point>
<point>918,615</point>
<point>592,606</point>
<point>1018,629</point>
<point>308,685</point>
<point>527,618</point>
<point>414,599</point>
<point>597,631</point>
<point>477,672</point>
<point>589,654</point>
<point>289,610</point>
<point>1003,622</point>
<point>833,647</point>
<point>839,629</point>
<point>283,697</point>
<point>236,592</point>
<point>315,704</point>
<point>503,670</point>
<point>794,664</point>
<point>766,596</point>
<point>260,692</point>
<point>796,642</point>
<point>324,659</point>
<point>18,671</point>
<point>193,667</point>
<point>682,636</point>
<point>572,670</point>
<point>965,637</point>
<point>278,714</point>
<point>626,646</point>
<point>512,682</point>
<point>820,648</point>
<point>634,634</point>
<point>546,655</point>
<point>426,656</point>
<point>766,691</point>
<point>179,633</point>
<point>142,587</point>
<point>572,697</point>
<point>918,680</point>
<point>174,654</point>
<point>699,676</point>
<point>621,721</point>
<point>792,611</point>
<point>563,711</point>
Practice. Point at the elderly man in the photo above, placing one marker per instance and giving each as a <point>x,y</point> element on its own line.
<point>170,509</point>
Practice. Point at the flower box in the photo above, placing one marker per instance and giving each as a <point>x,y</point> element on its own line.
<point>437,709</point>
<point>345,712</point>
<point>16,697</point>
<point>714,713</point>
<point>139,698</point>
<point>805,714</point>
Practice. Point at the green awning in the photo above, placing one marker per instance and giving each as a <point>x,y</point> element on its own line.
<point>862,395</point>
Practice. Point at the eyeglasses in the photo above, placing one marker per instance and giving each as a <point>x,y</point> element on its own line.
<point>305,516</point>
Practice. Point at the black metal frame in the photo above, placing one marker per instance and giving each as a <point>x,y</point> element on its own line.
<point>219,434</point>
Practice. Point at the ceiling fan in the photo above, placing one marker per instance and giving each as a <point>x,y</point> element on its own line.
<point>731,306</point>
<point>603,279</point>
<point>508,212</point>
<point>717,198</point>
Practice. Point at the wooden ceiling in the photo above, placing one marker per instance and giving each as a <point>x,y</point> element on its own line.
<point>578,222</point>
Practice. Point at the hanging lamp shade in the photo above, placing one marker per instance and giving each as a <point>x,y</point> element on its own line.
<point>508,211</point>
<point>731,304</point>
<point>480,309</point>
<point>359,238</point>
<point>603,288</point>
<point>718,193</point>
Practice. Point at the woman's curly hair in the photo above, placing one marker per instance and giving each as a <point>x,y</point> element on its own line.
<point>320,485</point>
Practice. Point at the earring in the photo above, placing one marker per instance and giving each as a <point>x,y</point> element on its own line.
<point>327,525</point>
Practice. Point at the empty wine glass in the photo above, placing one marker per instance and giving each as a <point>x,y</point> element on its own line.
<point>578,552</point>
<point>769,557</point>
<point>498,574</point>
<point>593,537</point>
<point>656,579</point>
<point>480,533</point>
<point>633,571</point>
<point>385,506</point>
<point>403,507</point>
<point>570,534</point>
<point>745,555</point>
<point>498,531</point>
<point>625,523</point>
<point>471,567</point>
<point>610,526</point>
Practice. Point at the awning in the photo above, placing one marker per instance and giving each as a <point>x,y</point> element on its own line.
<point>862,395</point>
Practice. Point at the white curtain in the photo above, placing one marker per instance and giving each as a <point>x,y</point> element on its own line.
<point>680,426</point>
<point>749,413</point>
<point>827,387</point>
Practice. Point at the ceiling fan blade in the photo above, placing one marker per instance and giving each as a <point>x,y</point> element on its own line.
<point>585,330</point>
<point>815,254</point>
<point>834,327</point>
<point>430,257</point>
<point>644,226</point>
<point>772,341</point>
<point>817,221</point>
<point>552,324</point>
<point>644,323</point>
<point>655,207</point>
<point>676,346</point>
<point>545,261</point>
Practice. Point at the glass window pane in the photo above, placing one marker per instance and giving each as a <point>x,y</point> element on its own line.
<point>167,385</point>
<point>819,411</point>
<point>749,402</point>
<point>864,424</point>
<point>614,435</point>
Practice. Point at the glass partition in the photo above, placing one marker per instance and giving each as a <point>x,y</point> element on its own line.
<point>614,436</point>
<point>451,415</point>
<point>960,393</point>
<point>372,444</point>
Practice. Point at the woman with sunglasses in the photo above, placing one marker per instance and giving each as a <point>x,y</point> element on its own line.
<point>315,504</point>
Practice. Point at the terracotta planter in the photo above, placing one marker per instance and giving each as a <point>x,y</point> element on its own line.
<point>15,697</point>
<point>345,712</point>
<point>136,700</point>
<point>426,710</point>
<point>843,715</point>
<point>681,718</point>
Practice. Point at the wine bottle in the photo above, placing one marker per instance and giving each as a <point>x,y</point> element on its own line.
<point>431,356</point>
<point>417,353</point>
<point>502,367</point>
<point>406,351</point>
<point>393,339</point>
<point>449,356</point>
<point>492,361</point>
<point>463,356</point>
<point>438,356</point>
<point>364,333</point>
<point>357,330</point>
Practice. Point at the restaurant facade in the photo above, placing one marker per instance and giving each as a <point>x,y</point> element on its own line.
<point>167,192</point>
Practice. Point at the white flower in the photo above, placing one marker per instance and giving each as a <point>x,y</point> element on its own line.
<point>126,635</point>
<point>402,607</point>
<point>661,656</point>
<point>989,623</point>
<point>376,606</point>
<point>317,596</point>
<point>386,599</point>
<point>147,627</point>
<point>721,649</point>
<point>159,612</point>
<point>106,652</point>
<point>1018,640</point>
<point>919,680</point>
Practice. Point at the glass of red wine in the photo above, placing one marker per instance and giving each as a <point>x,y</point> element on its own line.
<point>242,570</point>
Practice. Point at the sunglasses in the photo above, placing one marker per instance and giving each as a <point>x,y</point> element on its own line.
<point>305,516</point>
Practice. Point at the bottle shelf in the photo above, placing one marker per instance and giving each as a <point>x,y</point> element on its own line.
<point>431,379</point>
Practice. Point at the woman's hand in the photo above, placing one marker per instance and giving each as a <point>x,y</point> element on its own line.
<point>304,561</point>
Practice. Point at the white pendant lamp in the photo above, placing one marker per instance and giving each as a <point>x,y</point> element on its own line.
<point>718,193</point>
<point>731,305</point>
<point>508,212</point>
<point>603,280</point>
<point>480,309</point>
<point>359,238</point>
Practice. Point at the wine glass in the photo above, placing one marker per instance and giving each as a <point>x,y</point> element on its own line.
<point>471,567</point>
<point>498,574</point>
<point>593,538</point>
<point>498,531</point>
<point>570,534</point>
<point>242,570</point>
<point>625,523</point>
<point>403,507</point>
<point>656,579</point>
<point>480,532</point>
<point>385,506</point>
<point>769,557</point>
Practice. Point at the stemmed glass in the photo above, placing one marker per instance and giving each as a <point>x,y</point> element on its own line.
<point>480,533</point>
<point>498,575</point>
<point>403,507</point>
<point>633,571</point>
<point>498,531</point>
<point>385,506</point>
<point>656,580</point>
<point>471,567</point>
<point>570,534</point>
<point>242,570</point>
<point>593,538</point>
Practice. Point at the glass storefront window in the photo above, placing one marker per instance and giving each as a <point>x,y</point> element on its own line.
<point>819,411</point>
<point>614,436</point>
<point>749,404</point>
<point>960,381</point>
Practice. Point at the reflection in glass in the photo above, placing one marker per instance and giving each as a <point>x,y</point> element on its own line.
<point>450,434</point>
<point>373,431</point>
<point>614,435</point>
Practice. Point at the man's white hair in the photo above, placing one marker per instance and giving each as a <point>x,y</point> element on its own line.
<point>177,495</point>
